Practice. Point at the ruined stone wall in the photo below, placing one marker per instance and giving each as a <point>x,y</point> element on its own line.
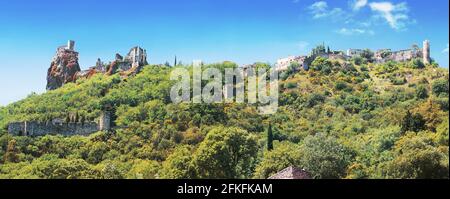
<point>284,63</point>
<point>124,66</point>
<point>406,55</point>
<point>48,128</point>
<point>137,56</point>
<point>33,128</point>
<point>16,128</point>
<point>104,123</point>
<point>354,52</point>
<point>118,66</point>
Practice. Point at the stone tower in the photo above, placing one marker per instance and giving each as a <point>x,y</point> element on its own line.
<point>426,52</point>
<point>105,121</point>
<point>70,45</point>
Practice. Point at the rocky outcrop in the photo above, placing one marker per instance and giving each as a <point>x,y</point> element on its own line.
<point>64,67</point>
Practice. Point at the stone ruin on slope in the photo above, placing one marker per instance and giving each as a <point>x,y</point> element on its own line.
<point>133,62</point>
<point>65,67</point>
<point>60,127</point>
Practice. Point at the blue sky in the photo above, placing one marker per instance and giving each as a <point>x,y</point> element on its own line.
<point>243,31</point>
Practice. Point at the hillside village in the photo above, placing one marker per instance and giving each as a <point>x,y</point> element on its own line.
<point>380,56</point>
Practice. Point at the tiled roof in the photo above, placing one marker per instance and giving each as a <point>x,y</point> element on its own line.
<point>291,173</point>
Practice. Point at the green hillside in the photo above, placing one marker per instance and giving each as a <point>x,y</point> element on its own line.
<point>337,120</point>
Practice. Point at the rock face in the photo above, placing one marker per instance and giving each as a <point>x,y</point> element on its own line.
<point>64,67</point>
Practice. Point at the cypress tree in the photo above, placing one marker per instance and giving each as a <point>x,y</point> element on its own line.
<point>269,138</point>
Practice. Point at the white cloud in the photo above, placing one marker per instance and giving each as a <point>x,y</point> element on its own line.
<point>354,31</point>
<point>445,50</point>
<point>396,15</point>
<point>320,9</point>
<point>358,4</point>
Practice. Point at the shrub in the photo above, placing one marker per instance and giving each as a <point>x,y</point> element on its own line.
<point>324,157</point>
<point>398,81</point>
<point>314,99</point>
<point>340,85</point>
<point>421,92</point>
<point>284,155</point>
<point>290,85</point>
<point>440,87</point>
<point>416,64</point>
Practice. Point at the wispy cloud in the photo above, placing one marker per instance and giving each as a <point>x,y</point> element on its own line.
<point>320,9</point>
<point>445,50</point>
<point>358,4</point>
<point>396,15</point>
<point>354,31</point>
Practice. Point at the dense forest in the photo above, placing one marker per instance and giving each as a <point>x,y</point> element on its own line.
<point>346,120</point>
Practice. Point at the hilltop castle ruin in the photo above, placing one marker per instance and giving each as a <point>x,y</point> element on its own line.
<point>65,67</point>
<point>384,55</point>
<point>380,56</point>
